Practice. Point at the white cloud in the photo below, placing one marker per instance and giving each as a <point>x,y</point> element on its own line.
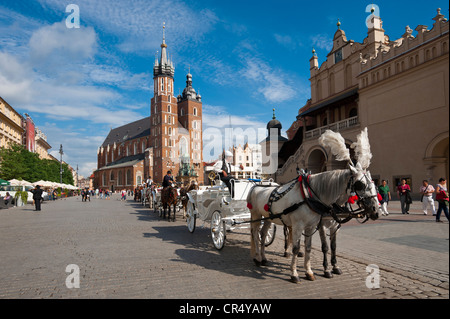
<point>138,23</point>
<point>274,85</point>
<point>56,39</point>
<point>322,41</point>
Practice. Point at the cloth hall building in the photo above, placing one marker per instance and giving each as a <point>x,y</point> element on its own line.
<point>397,88</point>
<point>169,139</point>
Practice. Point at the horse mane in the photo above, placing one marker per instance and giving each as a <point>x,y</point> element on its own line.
<point>330,186</point>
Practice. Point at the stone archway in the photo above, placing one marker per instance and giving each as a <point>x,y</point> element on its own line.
<point>317,161</point>
<point>436,158</point>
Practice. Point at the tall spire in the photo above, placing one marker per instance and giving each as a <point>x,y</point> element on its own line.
<point>164,46</point>
<point>164,66</point>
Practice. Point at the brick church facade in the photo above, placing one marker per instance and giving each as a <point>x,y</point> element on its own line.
<point>169,139</point>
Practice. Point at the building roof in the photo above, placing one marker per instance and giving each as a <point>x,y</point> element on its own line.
<point>125,162</point>
<point>128,131</point>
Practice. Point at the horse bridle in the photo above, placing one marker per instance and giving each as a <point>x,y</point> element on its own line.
<point>356,187</point>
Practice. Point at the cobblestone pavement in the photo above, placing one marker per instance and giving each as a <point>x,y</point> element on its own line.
<point>124,250</point>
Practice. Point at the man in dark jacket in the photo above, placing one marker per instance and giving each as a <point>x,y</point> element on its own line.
<point>37,197</point>
<point>168,180</point>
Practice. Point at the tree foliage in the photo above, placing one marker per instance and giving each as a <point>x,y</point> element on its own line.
<point>17,162</point>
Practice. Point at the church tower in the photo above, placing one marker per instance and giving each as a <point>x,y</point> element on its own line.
<point>163,116</point>
<point>190,117</point>
<point>176,123</point>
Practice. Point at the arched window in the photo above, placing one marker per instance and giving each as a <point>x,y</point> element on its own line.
<point>195,111</point>
<point>169,107</point>
<point>135,148</point>
<point>119,178</point>
<point>331,88</point>
<point>111,176</point>
<point>143,147</point>
<point>348,75</point>
<point>319,90</point>
<point>103,179</point>
<point>128,177</point>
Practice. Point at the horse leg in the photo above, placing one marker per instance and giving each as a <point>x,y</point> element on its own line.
<point>287,231</point>
<point>336,269</point>
<point>175,212</point>
<point>308,240</point>
<point>264,231</point>
<point>323,240</point>
<point>255,251</point>
<point>296,235</point>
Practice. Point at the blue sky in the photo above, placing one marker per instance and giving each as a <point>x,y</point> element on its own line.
<point>246,57</point>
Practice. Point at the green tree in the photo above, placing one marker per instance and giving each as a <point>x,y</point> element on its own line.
<point>17,162</point>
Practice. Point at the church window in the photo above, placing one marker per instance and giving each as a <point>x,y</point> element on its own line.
<point>170,119</point>
<point>170,131</point>
<point>128,177</point>
<point>162,84</point>
<point>195,111</point>
<point>120,178</point>
<point>182,112</point>
<point>135,148</point>
<point>169,107</point>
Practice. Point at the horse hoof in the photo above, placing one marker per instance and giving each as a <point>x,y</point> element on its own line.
<point>264,262</point>
<point>337,271</point>
<point>295,279</point>
<point>310,277</point>
<point>300,254</point>
<point>328,274</point>
<point>257,263</point>
<point>287,255</point>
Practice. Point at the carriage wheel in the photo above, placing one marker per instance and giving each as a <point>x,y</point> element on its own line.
<point>270,237</point>
<point>218,230</point>
<point>191,217</point>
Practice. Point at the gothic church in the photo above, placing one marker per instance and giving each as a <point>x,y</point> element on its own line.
<point>170,139</point>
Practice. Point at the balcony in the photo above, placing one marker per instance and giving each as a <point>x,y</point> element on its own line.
<point>336,127</point>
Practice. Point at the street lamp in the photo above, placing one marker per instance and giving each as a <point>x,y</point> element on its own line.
<point>61,169</point>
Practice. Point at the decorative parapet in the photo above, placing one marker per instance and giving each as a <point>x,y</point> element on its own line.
<point>407,43</point>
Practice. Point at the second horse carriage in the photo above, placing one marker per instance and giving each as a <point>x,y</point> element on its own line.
<point>215,205</point>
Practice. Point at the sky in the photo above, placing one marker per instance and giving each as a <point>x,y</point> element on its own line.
<point>246,57</point>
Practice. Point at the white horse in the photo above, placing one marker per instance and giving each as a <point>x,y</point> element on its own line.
<point>292,206</point>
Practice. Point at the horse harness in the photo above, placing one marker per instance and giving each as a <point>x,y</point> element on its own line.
<point>314,203</point>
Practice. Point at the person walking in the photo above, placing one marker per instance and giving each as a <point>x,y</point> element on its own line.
<point>442,198</point>
<point>37,197</point>
<point>403,191</point>
<point>427,191</point>
<point>385,193</point>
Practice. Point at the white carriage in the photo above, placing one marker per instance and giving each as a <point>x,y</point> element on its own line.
<point>224,213</point>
